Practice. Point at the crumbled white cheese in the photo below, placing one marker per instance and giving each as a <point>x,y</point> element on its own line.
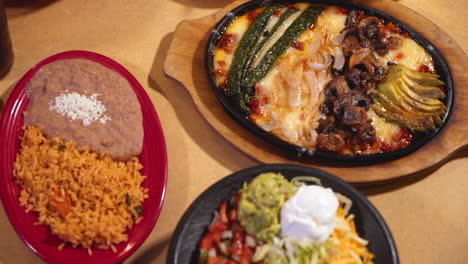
<point>78,106</point>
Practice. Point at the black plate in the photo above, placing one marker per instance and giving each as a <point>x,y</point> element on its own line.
<point>194,223</point>
<point>440,65</point>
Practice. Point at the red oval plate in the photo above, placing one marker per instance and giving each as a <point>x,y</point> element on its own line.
<point>153,157</point>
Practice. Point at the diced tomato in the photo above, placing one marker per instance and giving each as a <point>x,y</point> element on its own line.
<point>393,28</point>
<point>221,72</point>
<point>424,68</point>
<point>236,246</point>
<point>361,15</point>
<point>259,91</point>
<point>229,49</point>
<point>246,255</point>
<point>298,45</point>
<point>232,215</point>
<point>227,41</point>
<point>219,260</point>
<point>399,56</point>
<point>405,137</point>
<point>61,203</point>
<point>385,147</point>
<point>223,213</point>
<point>255,106</point>
<point>381,22</point>
<point>384,32</point>
<point>237,238</point>
<point>278,13</point>
<point>237,231</point>
<point>402,139</point>
<point>235,200</point>
<point>219,227</point>
<point>209,240</point>
<point>376,146</point>
<point>252,15</point>
<point>235,249</point>
<point>405,35</point>
<point>222,63</point>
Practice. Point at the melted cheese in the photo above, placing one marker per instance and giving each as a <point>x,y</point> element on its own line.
<point>331,21</point>
<point>410,54</point>
<point>384,130</point>
<point>296,120</point>
<point>238,27</point>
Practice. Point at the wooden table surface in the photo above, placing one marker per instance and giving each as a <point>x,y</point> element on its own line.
<point>427,214</point>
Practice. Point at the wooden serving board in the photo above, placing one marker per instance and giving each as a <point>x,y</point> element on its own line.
<point>185,63</point>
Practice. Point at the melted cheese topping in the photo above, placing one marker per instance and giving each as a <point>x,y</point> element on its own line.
<point>238,27</point>
<point>331,21</point>
<point>410,54</point>
<point>384,130</point>
<point>293,92</point>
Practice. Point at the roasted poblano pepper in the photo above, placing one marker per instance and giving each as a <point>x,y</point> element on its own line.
<point>244,49</point>
<point>304,21</point>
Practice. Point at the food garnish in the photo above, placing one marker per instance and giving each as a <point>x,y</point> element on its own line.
<point>410,98</point>
<point>260,204</point>
<point>77,106</point>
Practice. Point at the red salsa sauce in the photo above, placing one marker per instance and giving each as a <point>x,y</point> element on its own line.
<point>400,140</point>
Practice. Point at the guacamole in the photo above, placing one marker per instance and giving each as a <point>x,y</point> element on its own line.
<point>261,202</point>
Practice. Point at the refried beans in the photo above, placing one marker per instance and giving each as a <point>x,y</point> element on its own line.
<point>118,133</point>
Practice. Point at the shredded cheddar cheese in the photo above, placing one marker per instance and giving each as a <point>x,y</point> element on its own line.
<point>351,247</point>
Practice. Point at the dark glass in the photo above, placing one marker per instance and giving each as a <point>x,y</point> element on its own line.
<point>6,51</point>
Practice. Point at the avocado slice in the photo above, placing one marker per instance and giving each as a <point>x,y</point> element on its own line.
<point>422,103</point>
<point>426,79</point>
<point>427,91</point>
<point>394,94</point>
<point>413,86</point>
<point>414,124</point>
<point>414,120</point>
<point>410,98</point>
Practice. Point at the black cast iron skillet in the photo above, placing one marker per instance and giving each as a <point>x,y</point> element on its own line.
<point>194,223</point>
<point>440,65</point>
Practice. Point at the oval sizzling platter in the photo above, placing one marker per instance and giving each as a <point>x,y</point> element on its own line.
<point>194,223</point>
<point>187,52</point>
<point>153,157</point>
<point>440,66</point>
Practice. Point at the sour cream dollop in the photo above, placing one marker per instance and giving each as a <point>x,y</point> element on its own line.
<point>310,214</point>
